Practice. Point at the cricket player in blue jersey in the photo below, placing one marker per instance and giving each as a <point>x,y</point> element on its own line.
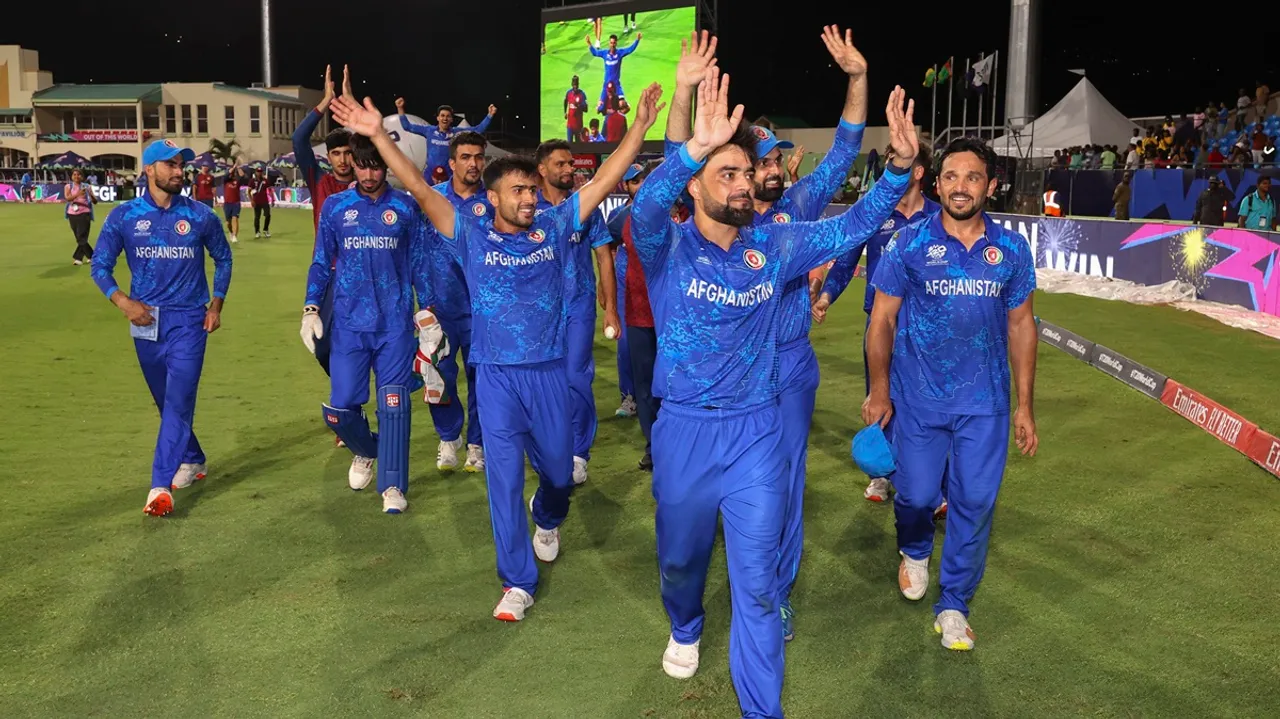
<point>372,246</point>
<point>612,65</point>
<point>953,307</point>
<point>913,209</point>
<point>164,236</point>
<point>715,285</point>
<point>516,264</point>
<point>439,135</point>
<point>465,191</point>
<point>555,173</point>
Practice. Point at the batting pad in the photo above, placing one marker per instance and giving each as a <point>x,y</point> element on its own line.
<point>393,438</point>
<point>352,427</point>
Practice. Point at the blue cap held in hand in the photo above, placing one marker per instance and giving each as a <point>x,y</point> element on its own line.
<point>872,452</point>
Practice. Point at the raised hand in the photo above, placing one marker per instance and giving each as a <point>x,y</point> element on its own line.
<point>843,51</point>
<point>328,92</point>
<point>493,110</point>
<point>648,108</point>
<point>364,120</point>
<point>714,126</point>
<point>902,130</point>
<point>400,105</point>
<point>793,164</point>
<point>696,56</point>
<point>346,84</point>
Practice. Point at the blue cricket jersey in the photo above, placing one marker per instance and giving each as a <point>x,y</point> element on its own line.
<point>453,301</point>
<point>580,273</point>
<point>377,249</point>
<point>164,248</point>
<point>716,311</point>
<point>951,350</point>
<point>613,61</point>
<point>517,284</point>
<point>805,201</point>
<point>438,142</point>
<point>841,273</point>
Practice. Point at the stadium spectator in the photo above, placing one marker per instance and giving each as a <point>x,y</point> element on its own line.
<point>1211,206</point>
<point>1132,159</point>
<point>1243,102</point>
<point>1258,208</point>
<point>1121,195</point>
<point>1214,157</point>
<point>1108,157</point>
<point>1258,143</point>
<point>1269,152</point>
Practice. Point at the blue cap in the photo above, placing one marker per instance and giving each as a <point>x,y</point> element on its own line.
<point>766,141</point>
<point>872,452</point>
<point>162,150</point>
<point>635,169</point>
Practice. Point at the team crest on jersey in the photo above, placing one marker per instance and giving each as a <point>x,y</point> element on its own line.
<point>389,217</point>
<point>781,218</point>
<point>993,255</point>
<point>537,236</point>
<point>182,228</point>
<point>393,399</point>
<point>753,259</point>
<point>477,210</point>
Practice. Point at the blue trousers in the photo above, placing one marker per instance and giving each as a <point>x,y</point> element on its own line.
<point>448,417</point>
<point>326,320</point>
<point>390,356</point>
<point>171,366</point>
<point>525,410</point>
<point>642,345</point>
<point>710,463</point>
<point>799,383</point>
<point>580,332</point>
<point>970,451</point>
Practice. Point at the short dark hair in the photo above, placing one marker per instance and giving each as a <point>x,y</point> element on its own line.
<point>442,108</point>
<point>340,137</point>
<point>924,155</point>
<point>365,154</point>
<point>466,138</point>
<point>977,147</point>
<point>613,37</point>
<point>511,164</point>
<point>743,138</point>
<point>544,150</point>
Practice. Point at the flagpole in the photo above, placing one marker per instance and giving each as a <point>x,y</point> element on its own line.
<point>964,107</point>
<point>995,90</point>
<point>933,108</point>
<point>951,95</point>
<point>981,57</point>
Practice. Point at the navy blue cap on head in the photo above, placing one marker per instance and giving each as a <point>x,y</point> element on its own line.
<point>872,452</point>
<point>162,150</point>
<point>766,141</point>
<point>635,169</point>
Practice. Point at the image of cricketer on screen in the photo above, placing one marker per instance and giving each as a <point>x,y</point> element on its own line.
<point>953,308</point>
<point>164,236</point>
<point>372,246</point>
<point>715,284</point>
<point>516,266</point>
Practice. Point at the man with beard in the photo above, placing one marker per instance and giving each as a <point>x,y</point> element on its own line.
<point>555,173</point>
<point>372,248</point>
<point>516,265</point>
<point>170,313</point>
<point>717,444</point>
<point>953,307</point>
<point>913,208</point>
<point>453,308</point>
<point>439,136</point>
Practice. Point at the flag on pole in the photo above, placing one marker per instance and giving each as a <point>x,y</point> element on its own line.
<point>930,76</point>
<point>982,73</point>
<point>1079,71</point>
<point>945,73</point>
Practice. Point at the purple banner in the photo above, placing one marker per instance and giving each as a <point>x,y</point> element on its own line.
<point>1224,264</point>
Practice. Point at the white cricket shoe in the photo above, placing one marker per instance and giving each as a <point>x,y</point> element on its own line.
<point>579,471</point>
<point>475,458</point>
<point>447,455</point>
<point>266,234</point>
<point>257,235</point>
<point>877,490</point>
<point>913,577</point>
<point>627,408</point>
<point>361,473</point>
<point>513,605</point>
<point>393,501</point>
<point>187,475</point>
<point>546,542</point>
<point>955,630</point>
<point>159,502</point>
<point>680,661</point>
<point>234,239</point>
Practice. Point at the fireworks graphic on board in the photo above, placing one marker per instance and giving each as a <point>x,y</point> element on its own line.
<point>1192,256</point>
<point>1057,239</point>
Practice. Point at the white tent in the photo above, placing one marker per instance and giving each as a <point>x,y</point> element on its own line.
<point>1083,117</point>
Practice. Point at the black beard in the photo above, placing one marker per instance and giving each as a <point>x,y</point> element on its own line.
<point>977,206</point>
<point>728,215</point>
<point>561,185</point>
<point>764,193</point>
<point>514,219</point>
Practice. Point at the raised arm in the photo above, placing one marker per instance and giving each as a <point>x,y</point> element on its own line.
<point>624,51</point>
<point>407,125</point>
<point>696,56</point>
<point>367,121</point>
<point>302,153</point>
<point>484,124</point>
<point>610,173</point>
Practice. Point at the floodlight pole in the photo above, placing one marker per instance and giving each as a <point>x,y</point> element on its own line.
<point>268,64</point>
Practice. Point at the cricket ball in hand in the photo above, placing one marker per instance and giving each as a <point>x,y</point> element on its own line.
<point>610,332</point>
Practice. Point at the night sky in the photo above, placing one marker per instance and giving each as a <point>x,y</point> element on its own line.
<point>488,52</point>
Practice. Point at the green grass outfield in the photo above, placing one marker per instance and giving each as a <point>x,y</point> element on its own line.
<point>1132,572</point>
<point>653,61</point>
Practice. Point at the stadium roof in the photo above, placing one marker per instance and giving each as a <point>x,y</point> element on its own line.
<point>264,94</point>
<point>97,92</point>
<point>15,111</point>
